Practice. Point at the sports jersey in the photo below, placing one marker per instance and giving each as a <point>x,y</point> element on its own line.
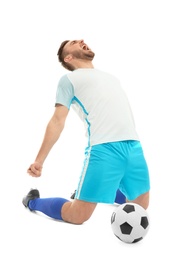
<point>101,103</point>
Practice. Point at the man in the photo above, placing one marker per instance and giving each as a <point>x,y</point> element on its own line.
<point>114,159</point>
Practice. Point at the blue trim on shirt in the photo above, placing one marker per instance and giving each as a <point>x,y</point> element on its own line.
<point>86,113</point>
<point>81,105</point>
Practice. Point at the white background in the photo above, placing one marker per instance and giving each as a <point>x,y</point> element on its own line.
<point>138,42</point>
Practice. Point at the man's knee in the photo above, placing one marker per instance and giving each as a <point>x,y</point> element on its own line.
<point>77,212</point>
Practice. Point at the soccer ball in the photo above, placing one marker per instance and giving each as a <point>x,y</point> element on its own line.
<point>130,222</point>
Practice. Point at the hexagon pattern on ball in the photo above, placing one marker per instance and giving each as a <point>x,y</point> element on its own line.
<point>130,222</point>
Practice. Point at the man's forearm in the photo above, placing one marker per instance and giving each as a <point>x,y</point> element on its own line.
<point>52,134</point>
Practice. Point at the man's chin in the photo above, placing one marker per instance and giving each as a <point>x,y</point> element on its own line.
<point>90,55</point>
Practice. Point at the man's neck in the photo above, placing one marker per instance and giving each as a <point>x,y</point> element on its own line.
<point>83,65</point>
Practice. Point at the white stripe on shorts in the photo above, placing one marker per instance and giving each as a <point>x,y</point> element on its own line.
<point>86,162</point>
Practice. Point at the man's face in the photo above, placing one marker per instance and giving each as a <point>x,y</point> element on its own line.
<point>80,50</point>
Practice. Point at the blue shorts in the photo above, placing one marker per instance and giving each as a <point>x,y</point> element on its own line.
<point>112,166</point>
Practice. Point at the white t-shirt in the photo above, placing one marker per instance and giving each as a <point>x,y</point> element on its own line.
<point>100,102</point>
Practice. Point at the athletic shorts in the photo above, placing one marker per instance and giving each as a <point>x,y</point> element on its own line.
<point>112,166</point>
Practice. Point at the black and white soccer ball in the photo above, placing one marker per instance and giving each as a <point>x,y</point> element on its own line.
<point>130,222</point>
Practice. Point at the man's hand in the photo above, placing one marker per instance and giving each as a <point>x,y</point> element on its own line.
<point>35,169</point>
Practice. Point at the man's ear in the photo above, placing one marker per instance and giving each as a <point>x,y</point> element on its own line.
<point>68,58</point>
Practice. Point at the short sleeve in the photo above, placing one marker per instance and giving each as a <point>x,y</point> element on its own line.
<point>65,92</point>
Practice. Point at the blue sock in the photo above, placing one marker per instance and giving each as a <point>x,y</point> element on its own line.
<point>49,206</point>
<point>120,197</point>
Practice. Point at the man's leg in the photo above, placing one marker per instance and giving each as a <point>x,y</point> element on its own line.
<point>142,200</point>
<point>78,211</point>
<point>75,212</point>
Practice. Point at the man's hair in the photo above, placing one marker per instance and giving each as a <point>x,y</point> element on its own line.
<point>61,55</point>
